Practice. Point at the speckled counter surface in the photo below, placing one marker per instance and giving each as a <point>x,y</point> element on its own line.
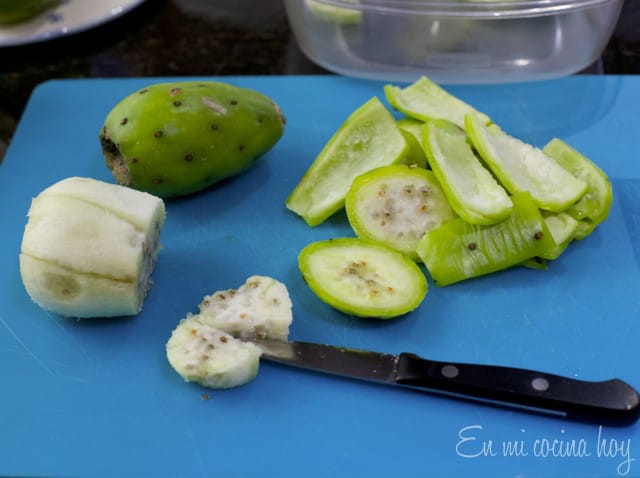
<point>203,37</point>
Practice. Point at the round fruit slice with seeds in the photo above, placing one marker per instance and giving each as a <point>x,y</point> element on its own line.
<point>211,357</point>
<point>397,205</point>
<point>362,277</point>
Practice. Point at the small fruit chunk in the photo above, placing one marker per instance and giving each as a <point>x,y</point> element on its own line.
<point>172,139</point>
<point>472,191</point>
<point>208,347</point>
<point>521,167</point>
<point>369,138</point>
<point>397,205</point>
<point>260,308</point>
<point>207,355</point>
<point>458,250</point>
<point>362,278</point>
<point>89,248</point>
<point>424,100</point>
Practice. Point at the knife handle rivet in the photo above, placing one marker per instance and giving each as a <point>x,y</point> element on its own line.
<point>540,384</point>
<point>449,371</point>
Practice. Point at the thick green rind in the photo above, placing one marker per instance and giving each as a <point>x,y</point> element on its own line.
<point>521,167</point>
<point>438,206</point>
<point>368,139</point>
<point>177,138</point>
<point>424,100</point>
<point>412,284</point>
<point>594,206</point>
<point>472,191</point>
<point>415,154</point>
<point>458,250</point>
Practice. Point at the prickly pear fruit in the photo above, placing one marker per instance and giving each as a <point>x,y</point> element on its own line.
<point>89,248</point>
<point>172,139</point>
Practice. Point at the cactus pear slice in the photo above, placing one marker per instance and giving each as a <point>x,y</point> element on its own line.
<point>397,205</point>
<point>172,139</point>
<point>261,308</point>
<point>206,355</point>
<point>85,253</point>
<point>362,278</point>
<point>207,347</point>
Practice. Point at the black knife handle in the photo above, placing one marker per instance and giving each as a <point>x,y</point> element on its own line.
<point>611,401</point>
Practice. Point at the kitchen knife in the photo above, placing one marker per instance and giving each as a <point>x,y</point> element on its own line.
<point>611,401</point>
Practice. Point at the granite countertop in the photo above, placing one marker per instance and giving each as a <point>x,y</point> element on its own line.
<point>203,38</point>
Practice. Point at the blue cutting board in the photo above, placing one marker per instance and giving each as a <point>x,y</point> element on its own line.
<point>99,399</point>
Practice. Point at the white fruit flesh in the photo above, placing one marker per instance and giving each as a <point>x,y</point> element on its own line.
<point>206,355</point>
<point>89,248</point>
<point>259,308</point>
<point>208,347</point>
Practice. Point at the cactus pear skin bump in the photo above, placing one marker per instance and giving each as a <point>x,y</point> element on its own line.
<point>177,138</point>
<point>89,248</point>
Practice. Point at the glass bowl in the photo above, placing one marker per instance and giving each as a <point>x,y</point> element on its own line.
<point>453,41</point>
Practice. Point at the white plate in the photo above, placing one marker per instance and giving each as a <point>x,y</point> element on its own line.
<point>70,16</point>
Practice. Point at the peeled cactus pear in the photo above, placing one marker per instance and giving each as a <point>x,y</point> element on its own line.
<point>89,248</point>
<point>173,139</point>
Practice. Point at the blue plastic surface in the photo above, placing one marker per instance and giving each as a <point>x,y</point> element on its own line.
<point>98,398</point>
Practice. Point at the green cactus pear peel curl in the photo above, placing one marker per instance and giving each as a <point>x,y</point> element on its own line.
<point>173,139</point>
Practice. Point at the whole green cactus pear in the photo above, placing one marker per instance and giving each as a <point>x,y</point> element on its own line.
<point>172,139</point>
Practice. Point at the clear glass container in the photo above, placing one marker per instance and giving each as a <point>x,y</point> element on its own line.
<point>453,41</point>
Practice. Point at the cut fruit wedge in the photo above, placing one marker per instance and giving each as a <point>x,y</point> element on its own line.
<point>458,250</point>
<point>209,348</point>
<point>368,139</point>
<point>362,278</point>
<point>472,191</point>
<point>521,167</point>
<point>397,205</point>
<point>425,100</point>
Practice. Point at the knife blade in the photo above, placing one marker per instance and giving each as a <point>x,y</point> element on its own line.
<point>612,401</point>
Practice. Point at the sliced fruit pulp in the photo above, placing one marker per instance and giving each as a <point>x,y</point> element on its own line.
<point>362,278</point>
